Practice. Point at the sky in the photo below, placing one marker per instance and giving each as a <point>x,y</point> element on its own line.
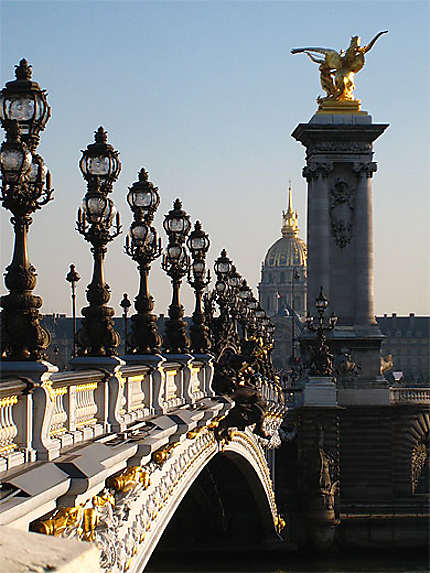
<point>205,95</point>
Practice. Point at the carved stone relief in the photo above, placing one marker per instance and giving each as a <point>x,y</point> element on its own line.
<point>340,147</point>
<point>123,516</point>
<point>341,199</point>
<point>367,168</point>
<point>419,459</point>
<point>314,169</point>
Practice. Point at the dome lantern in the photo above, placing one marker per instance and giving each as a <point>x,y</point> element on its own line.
<point>290,227</point>
<point>289,250</point>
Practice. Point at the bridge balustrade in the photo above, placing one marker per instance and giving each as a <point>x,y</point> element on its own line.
<point>39,420</point>
<point>410,395</point>
<point>13,405</point>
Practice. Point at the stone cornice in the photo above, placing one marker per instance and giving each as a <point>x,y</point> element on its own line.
<point>309,134</point>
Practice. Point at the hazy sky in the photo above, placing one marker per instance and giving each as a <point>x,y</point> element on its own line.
<point>205,95</point>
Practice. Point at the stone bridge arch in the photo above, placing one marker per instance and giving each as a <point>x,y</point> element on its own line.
<point>240,464</point>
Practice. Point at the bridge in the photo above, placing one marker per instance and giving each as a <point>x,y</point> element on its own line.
<point>108,454</point>
<point>191,434</point>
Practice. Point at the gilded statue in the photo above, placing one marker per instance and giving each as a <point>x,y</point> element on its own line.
<point>337,69</point>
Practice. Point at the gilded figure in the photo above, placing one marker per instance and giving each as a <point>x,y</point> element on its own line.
<point>337,69</point>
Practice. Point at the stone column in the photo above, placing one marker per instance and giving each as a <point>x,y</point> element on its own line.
<point>318,235</point>
<point>339,166</point>
<point>364,252</point>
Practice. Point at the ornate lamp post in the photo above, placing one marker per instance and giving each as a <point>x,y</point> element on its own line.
<point>176,263</point>
<point>24,101</point>
<point>100,167</point>
<point>221,324</point>
<point>252,305</point>
<point>233,282</point>
<point>198,244</point>
<point>25,188</point>
<point>143,246</point>
<point>321,359</point>
<point>72,277</point>
<point>125,305</point>
<point>245,294</point>
<point>223,268</point>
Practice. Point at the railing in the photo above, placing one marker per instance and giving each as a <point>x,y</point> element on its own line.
<point>410,395</point>
<point>38,419</point>
<point>14,404</point>
<point>78,412</point>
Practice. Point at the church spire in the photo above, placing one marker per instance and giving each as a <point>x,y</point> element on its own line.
<point>290,227</point>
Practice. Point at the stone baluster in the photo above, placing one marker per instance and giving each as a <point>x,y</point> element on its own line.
<point>209,373</point>
<point>23,416</point>
<point>8,429</point>
<point>59,417</point>
<point>187,382</point>
<point>71,407</point>
<point>44,399</point>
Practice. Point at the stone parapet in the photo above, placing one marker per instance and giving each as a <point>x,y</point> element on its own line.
<point>43,412</point>
<point>319,391</point>
<point>22,552</point>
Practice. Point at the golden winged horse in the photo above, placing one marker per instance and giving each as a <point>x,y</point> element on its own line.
<point>337,69</point>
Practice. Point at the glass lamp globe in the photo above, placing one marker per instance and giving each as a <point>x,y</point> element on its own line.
<point>244,291</point>
<point>16,162</point>
<point>24,101</point>
<point>223,264</point>
<point>177,222</point>
<point>142,194</point>
<point>97,208</point>
<point>321,303</point>
<point>38,170</point>
<point>174,253</point>
<point>220,287</point>
<point>260,313</point>
<point>198,241</point>
<point>198,267</point>
<point>100,161</point>
<point>139,232</point>
<point>234,278</point>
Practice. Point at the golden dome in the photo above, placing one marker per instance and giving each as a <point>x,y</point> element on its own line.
<point>289,250</point>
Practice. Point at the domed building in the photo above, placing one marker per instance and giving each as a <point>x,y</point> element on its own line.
<point>286,258</point>
<point>282,290</point>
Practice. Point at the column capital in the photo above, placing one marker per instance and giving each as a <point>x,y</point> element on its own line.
<point>364,169</point>
<point>314,169</point>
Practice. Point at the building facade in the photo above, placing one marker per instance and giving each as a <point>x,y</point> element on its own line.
<point>407,342</point>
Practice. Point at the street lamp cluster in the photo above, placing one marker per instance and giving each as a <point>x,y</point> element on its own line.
<point>143,246</point>
<point>240,316</point>
<point>321,360</point>
<point>26,187</point>
<point>99,223</point>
